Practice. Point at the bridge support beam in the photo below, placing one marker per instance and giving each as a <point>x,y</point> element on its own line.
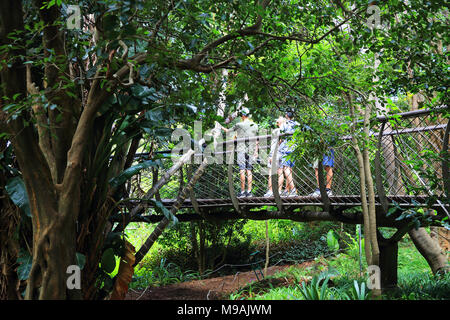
<point>388,264</point>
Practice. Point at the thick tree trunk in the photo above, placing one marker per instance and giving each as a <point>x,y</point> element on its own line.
<point>53,251</point>
<point>362,185</point>
<point>430,250</point>
<point>442,236</point>
<point>388,264</point>
<point>9,250</point>
<point>9,245</point>
<point>370,191</point>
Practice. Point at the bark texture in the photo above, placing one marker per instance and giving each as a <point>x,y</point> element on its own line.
<point>430,250</point>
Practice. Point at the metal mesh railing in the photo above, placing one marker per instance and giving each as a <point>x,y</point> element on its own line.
<point>408,166</point>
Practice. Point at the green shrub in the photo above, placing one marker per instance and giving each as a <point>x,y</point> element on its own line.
<point>422,286</point>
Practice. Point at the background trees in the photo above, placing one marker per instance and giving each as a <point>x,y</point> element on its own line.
<point>76,103</point>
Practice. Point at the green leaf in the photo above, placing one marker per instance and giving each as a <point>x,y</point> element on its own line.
<point>15,187</point>
<point>131,171</point>
<point>108,283</point>
<point>81,260</point>
<point>25,262</point>
<point>154,115</point>
<point>108,260</point>
<point>332,241</point>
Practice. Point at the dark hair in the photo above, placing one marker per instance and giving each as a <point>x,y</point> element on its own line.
<point>289,114</point>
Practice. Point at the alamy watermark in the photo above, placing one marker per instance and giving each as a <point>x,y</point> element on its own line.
<point>374,19</point>
<point>224,148</point>
<point>74,17</point>
<point>373,277</point>
<point>74,278</point>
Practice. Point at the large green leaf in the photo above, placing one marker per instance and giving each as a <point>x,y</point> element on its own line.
<point>25,262</point>
<point>332,241</point>
<point>131,171</point>
<point>108,260</point>
<point>18,194</point>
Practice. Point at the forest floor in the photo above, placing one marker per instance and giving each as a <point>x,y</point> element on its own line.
<point>212,288</point>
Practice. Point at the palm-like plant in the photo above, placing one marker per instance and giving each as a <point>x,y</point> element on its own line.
<point>357,292</point>
<point>315,290</point>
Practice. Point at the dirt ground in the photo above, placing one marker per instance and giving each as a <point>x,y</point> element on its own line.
<point>207,289</point>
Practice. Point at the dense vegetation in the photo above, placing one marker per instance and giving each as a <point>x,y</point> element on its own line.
<point>86,109</point>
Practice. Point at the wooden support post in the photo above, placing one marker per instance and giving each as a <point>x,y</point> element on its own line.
<point>378,180</point>
<point>192,196</point>
<point>274,178</point>
<point>388,262</point>
<point>231,190</point>
<point>323,193</point>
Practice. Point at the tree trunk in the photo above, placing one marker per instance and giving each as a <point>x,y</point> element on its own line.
<point>430,250</point>
<point>442,236</point>
<point>370,190</point>
<point>201,261</point>
<point>53,252</point>
<point>388,264</point>
<point>9,249</point>
<point>362,179</point>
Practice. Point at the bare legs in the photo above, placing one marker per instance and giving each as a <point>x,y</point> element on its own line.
<point>289,179</point>
<point>329,172</point>
<point>249,179</point>
<point>285,171</point>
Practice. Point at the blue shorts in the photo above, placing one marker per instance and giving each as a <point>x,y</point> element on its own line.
<point>328,160</point>
<point>285,162</point>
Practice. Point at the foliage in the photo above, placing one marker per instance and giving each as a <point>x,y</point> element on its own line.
<point>25,262</point>
<point>357,292</point>
<point>143,68</point>
<point>163,274</point>
<point>317,289</point>
<point>17,192</point>
<point>125,175</point>
<point>422,286</point>
<point>332,241</point>
<point>416,282</point>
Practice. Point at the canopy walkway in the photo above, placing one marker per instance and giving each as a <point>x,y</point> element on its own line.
<point>405,171</point>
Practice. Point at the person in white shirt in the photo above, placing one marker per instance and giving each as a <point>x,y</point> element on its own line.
<point>247,152</point>
<point>280,121</point>
<point>286,149</point>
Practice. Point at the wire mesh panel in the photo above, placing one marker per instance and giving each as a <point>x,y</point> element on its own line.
<point>409,166</point>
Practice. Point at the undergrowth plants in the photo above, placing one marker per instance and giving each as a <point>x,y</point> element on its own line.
<point>343,278</point>
<point>164,274</point>
<point>331,274</point>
